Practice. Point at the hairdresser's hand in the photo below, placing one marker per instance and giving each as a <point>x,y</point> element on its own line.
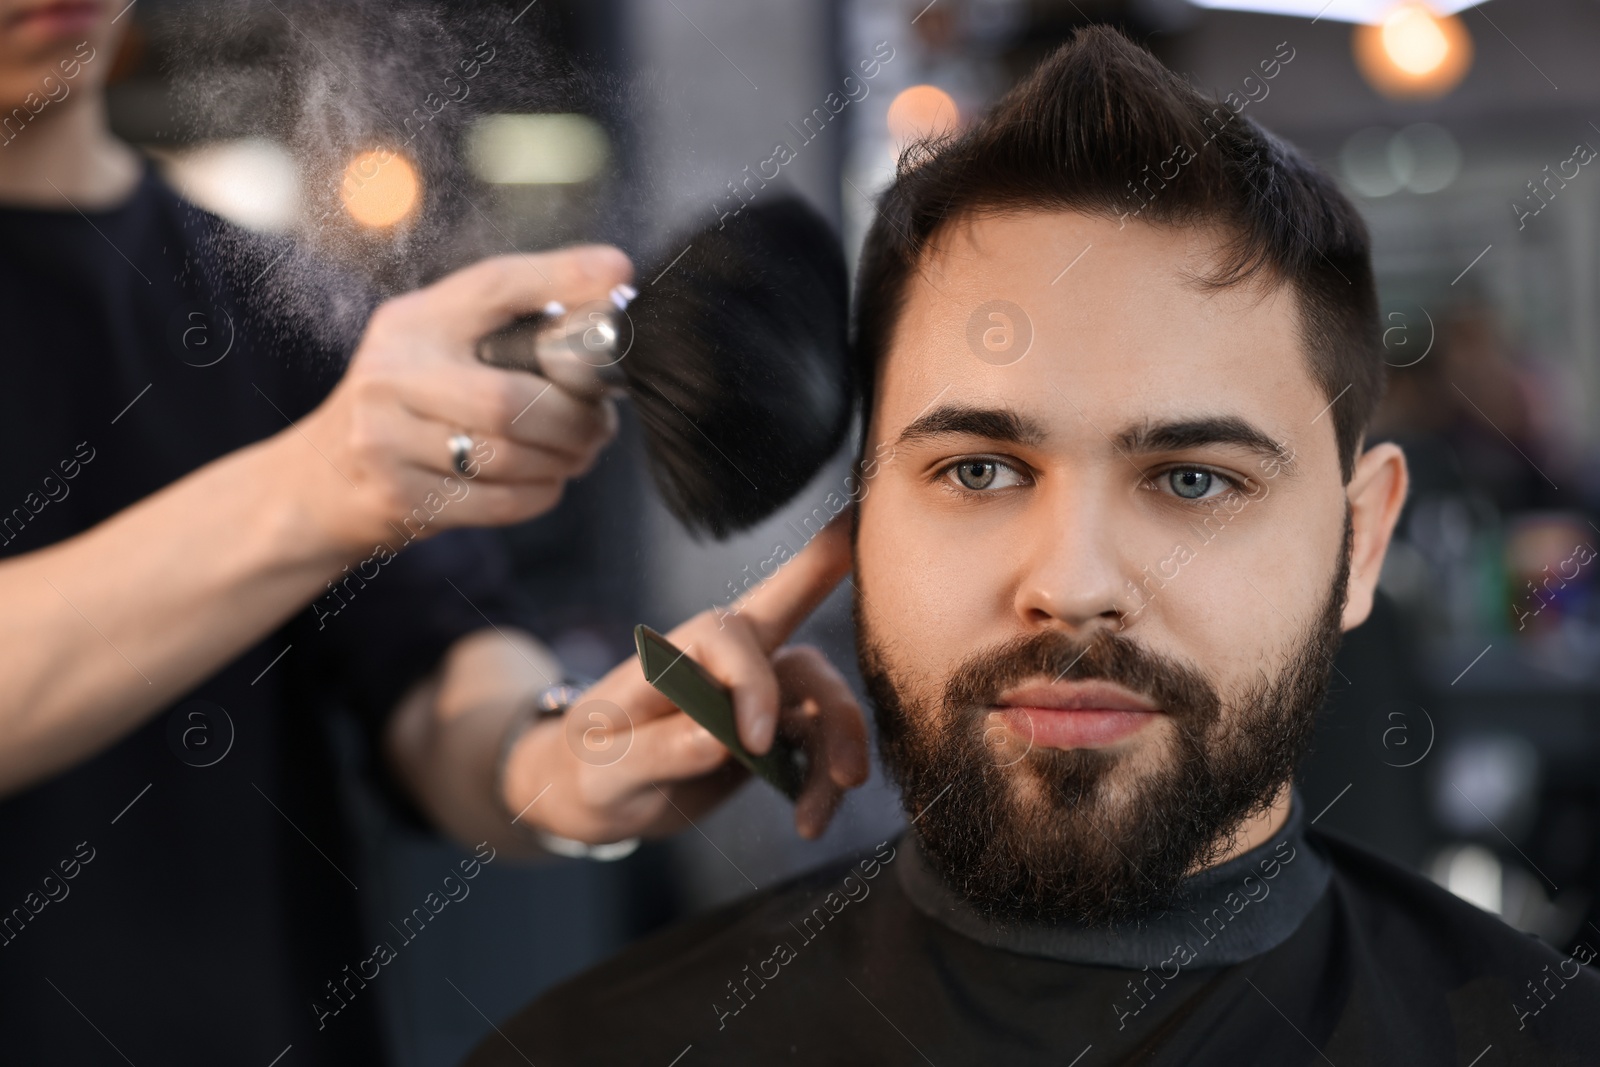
<point>628,763</point>
<point>379,459</point>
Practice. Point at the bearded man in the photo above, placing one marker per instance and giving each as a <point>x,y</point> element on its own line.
<point>1120,347</point>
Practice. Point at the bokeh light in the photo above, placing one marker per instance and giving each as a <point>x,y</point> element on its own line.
<point>1423,158</point>
<point>922,111</point>
<point>252,181</point>
<point>555,149</point>
<point>1413,41</point>
<point>1413,53</point>
<point>380,188</point>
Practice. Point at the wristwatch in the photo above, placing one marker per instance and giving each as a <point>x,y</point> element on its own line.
<point>551,702</point>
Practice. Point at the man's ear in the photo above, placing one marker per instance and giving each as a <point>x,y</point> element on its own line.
<point>1376,492</point>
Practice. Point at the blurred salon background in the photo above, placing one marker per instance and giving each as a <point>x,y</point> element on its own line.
<point>1463,734</point>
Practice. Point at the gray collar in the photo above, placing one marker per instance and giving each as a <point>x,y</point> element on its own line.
<point>1227,914</point>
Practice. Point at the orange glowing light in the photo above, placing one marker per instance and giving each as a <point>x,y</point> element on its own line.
<point>380,188</point>
<point>1413,53</point>
<point>922,111</point>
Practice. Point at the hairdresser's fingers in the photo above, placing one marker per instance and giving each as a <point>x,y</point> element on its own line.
<point>694,798</point>
<point>492,460</point>
<point>418,454</point>
<point>775,607</point>
<point>728,648</point>
<point>684,802</point>
<point>625,686</point>
<point>499,459</point>
<point>819,706</point>
<point>821,713</point>
<point>514,404</point>
<point>636,765</point>
<point>583,776</point>
<point>559,422</point>
<point>490,504</point>
<point>623,779</point>
<point>814,809</point>
<point>574,435</point>
<point>477,300</point>
<point>672,748</point>
<point>734,648</point>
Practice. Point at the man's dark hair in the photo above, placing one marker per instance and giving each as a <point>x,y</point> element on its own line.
<point>1097,128</point>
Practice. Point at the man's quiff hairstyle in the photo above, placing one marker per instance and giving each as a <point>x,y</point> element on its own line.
<point>1098,128</point>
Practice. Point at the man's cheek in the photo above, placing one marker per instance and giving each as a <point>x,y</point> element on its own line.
<point>931,584</point>
<point>1231,639</point>
<point>881,573</point>
<point>926,617</point>
<point>906,660</point>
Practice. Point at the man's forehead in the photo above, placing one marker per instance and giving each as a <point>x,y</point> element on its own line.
<point>981,242</point>
<point>1055,313</point>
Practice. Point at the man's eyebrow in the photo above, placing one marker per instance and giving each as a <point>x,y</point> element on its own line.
<point>1184,434</point>
<point>997,424</point>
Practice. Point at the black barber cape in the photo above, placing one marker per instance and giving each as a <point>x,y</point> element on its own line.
<point>185,894</point>
<point>1304,951</point>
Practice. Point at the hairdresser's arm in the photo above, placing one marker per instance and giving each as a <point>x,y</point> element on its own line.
<point>632,764</point>
<point>105,628</point>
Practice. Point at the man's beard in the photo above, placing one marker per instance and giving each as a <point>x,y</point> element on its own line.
<point>1081,843</point>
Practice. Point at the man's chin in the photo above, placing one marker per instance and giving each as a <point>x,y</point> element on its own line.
<point>1043,886</point>
<point>1037,791</point>
<point>1045,847</point>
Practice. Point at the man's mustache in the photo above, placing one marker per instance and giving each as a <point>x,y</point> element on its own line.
<point>1177,688</point>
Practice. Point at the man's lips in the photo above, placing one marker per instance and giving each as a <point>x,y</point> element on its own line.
<point>64,16</point>
<point>1089,714</point>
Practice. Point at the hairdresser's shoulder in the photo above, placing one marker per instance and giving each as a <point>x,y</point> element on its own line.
<point>674,987</point>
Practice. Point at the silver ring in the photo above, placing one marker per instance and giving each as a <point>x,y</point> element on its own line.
<point>460,453</point>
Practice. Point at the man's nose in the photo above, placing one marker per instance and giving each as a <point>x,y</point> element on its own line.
<point>1072,565</point>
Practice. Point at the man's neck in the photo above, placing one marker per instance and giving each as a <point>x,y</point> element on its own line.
<point>67,158</point>
<point>1255,831</point>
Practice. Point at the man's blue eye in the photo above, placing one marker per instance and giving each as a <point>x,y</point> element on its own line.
<point>977,473</point>
<point>1190,483</point>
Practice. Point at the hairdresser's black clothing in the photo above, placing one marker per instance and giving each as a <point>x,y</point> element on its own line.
<point>1322,946</point>
<point>203,923</point>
